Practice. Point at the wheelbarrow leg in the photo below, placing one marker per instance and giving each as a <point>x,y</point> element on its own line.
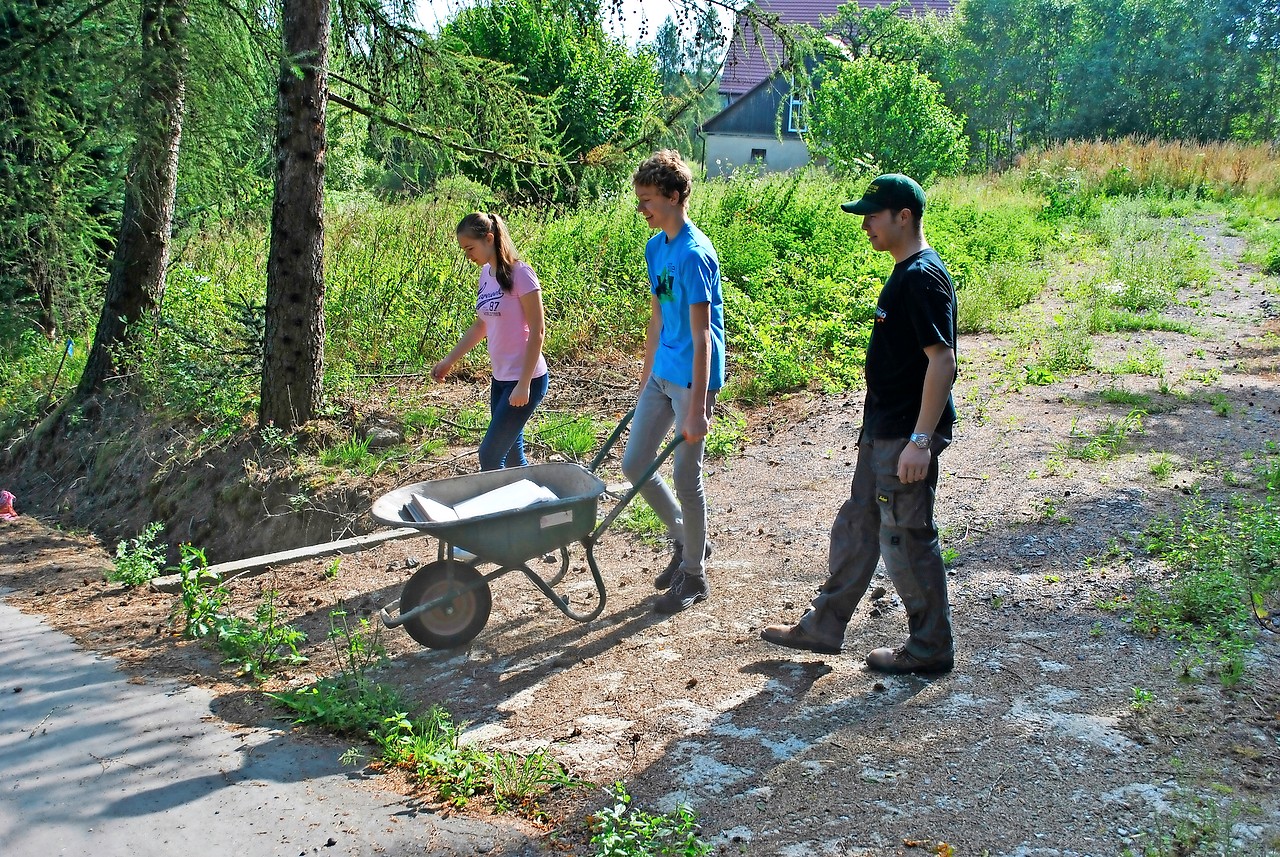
<point>563,604</point>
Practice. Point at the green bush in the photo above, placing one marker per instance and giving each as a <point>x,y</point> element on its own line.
<point>140,559</point>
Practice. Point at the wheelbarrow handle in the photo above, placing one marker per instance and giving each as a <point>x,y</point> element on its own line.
<point>613,438</point>
<point>639,483</point>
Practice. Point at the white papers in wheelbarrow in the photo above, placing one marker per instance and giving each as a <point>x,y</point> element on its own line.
<point>516,495</point>
<point>426,509</point>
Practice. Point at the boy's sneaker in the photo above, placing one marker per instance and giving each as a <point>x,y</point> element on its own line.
<point>685,592</point>
<point>663,581</point>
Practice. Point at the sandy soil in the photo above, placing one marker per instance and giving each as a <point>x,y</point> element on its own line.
<point>1030,747</point>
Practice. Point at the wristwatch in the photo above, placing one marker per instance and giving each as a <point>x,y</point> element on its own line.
<point>921,440</point>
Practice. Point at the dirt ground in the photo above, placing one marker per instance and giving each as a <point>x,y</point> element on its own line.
<point>1030,747</point>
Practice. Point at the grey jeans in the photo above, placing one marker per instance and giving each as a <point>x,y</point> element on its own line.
<point>663,404</point>
<point>884,517</point>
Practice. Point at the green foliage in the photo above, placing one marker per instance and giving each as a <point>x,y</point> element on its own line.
<point>29,377</point>
<point>728,433</point>
<point>431,748</point>
<point>63,138</point>
<point>350,702</point>
<point>351,454</point>
<point>602,95</point>
<point>1104,443</point>
<point>640,520</point>
<point>140,559</point>
<point>1225,565</point>
<point>568,435</point>
<point>1151,259</point>
<point>252,646</point>
<point>912,131</point>
<point>621,830</point>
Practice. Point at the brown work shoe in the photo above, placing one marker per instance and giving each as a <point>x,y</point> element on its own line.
<point>900,661</point>
<point>796,637</point>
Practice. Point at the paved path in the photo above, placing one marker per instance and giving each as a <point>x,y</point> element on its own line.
<point>95,764</point>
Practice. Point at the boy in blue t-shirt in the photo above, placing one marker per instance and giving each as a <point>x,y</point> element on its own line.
<point>683,371</point>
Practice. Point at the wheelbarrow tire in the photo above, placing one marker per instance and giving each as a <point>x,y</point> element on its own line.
<point>455,622</point>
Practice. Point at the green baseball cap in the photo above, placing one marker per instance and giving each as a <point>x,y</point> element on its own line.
<point>894,191</point>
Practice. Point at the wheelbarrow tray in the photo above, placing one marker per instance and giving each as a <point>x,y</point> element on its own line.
<point>506,538</point>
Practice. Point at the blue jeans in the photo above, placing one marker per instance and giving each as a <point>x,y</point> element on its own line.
<point>503,444</point>
<point>663,404</point>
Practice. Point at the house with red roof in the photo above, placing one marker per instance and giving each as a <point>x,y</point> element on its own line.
<point>755,94</point>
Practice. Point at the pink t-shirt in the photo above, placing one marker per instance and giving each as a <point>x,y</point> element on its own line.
<point>504,323</point>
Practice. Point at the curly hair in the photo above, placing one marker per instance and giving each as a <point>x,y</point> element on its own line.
<point>666,171</point>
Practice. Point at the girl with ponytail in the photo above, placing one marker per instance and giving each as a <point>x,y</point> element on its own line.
<point>509,316</point>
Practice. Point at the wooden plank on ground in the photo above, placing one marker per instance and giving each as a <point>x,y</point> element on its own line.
<point>252,565</point>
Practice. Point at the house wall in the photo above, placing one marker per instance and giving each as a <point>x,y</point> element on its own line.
<point>726,152</point>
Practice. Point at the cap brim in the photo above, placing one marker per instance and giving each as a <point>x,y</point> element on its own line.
<point>860,206</point>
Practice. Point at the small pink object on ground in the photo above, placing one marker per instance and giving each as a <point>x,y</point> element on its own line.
<point>6,506</point>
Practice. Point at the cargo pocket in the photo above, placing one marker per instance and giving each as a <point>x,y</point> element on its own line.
<point>906,507</point>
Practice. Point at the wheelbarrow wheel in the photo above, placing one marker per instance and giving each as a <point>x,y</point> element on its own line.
<point>456,621</point>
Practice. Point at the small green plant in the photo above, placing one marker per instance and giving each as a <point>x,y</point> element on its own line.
<point>331,570</point>
<point>949,556</point>
<point>255,645</point>
<point>352,454</point>
<point>620,830</point>
<point>1224,564</point>
<point>1096,630</point>
<point>1106,441</point>
<point>423,421</point>
<point>519,781</point>
<point>640,519</point>
<point>1162,467</point>
<point>1119,396</point>
<point>350,702</point>
<point>572,437</point>
<point>278,440</point>
<point>202,596</point>
<point>251,645</point>
<point>1204,376</point>
<point>1140,699</point>
<point>1049,512</point>
<point>1149,361</point>
<point>1199,826</point>
<point>1221,404</point>
<point>140,559</point>
<point>1039,376</point>
<point>471,421</point>
<point>1268,474</point>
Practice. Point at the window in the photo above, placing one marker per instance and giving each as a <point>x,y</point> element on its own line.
<point>757,155</point>
<point>797,122</point>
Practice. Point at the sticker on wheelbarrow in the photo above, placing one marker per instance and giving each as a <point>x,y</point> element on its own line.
<point>555,520</point>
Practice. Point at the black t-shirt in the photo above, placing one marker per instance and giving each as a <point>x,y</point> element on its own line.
<point>917,308</point>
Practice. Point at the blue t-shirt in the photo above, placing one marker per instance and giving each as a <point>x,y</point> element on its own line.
<point>684,271</point>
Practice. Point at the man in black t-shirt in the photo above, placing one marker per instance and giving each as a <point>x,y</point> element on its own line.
<point>907,421</point>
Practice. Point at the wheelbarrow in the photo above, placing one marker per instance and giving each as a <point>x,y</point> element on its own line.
<point>446,603</point>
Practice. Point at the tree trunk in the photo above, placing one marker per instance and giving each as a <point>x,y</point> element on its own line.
<point>136,284</point>
<point>293,358</point>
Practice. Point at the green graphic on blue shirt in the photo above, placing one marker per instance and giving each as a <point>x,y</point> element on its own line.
<point>664,290</point>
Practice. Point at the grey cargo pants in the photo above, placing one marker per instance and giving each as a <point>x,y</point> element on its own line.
<point>884,517</point>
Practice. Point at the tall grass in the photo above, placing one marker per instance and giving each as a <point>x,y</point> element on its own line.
<point>1132,166</point>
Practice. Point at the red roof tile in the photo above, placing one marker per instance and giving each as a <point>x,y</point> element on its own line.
<point>749,61</point>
